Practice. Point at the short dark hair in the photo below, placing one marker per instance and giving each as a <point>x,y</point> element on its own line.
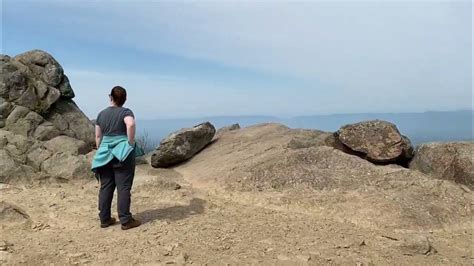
<point>119,95</point>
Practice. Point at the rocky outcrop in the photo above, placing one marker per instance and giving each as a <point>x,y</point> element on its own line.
<point>450,161</point>
<point>272,157</point>
<point>41,128</point>
<point>377,141</point>
<point>182,145</point>
<point>35,99</point>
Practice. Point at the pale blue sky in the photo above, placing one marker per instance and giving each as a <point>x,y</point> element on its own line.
<point>197,58</point>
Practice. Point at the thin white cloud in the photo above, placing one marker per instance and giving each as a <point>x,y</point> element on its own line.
<point>374,55</point>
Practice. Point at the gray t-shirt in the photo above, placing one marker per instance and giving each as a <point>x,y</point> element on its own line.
<point>110,120</point>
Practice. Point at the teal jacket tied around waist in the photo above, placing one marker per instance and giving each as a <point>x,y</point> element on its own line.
<point>113,147</point>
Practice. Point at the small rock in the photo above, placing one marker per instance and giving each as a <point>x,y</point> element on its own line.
<point>84,261</point>
<point>4,245</point>
<point>169,248</point>
<point>40,226</point>
<point>303,257</point>
<point>182,258</point>
<point>76,255</point>
<point>416,245</point>
<point>283,258</point>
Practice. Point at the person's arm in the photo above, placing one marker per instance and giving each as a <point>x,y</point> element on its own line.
<point>130,123</point>
<point>98,135</point>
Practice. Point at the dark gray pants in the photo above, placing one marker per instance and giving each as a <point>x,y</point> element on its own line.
<point>120,175</point>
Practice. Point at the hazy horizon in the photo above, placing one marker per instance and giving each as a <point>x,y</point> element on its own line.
<point>419,127</point>
<point>298,116</point>
<point>285,59</point>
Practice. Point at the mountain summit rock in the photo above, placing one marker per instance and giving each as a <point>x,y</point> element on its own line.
<point>37,116</point>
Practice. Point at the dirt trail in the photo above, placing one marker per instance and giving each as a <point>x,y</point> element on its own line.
<point>201,226</point>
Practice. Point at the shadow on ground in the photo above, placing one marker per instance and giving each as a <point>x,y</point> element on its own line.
<point>175,213</point>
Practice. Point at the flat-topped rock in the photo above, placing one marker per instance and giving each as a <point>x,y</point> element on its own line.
<point>377,141</point>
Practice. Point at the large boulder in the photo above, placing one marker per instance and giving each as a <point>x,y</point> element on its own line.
<point>12,169</point>
<point>451,161</point>
<point>14,153</point>
<point>182,145</point>
<point>67,166</point>
<point>37,156</point>
<point>71,121</point>
<point>67,145</point>
<point>376,141</point>
<point>23,121</point>
<point>8,166</point>
<point>16,145</point>
<point>46,131</point>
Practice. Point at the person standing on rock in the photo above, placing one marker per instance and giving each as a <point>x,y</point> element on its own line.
<point>114,161</point>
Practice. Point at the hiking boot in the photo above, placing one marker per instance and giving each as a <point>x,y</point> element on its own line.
<point>108,223</point>
<point>132,223</point>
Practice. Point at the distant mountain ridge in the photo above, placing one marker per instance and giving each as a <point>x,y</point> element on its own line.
<point>419,127</point>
